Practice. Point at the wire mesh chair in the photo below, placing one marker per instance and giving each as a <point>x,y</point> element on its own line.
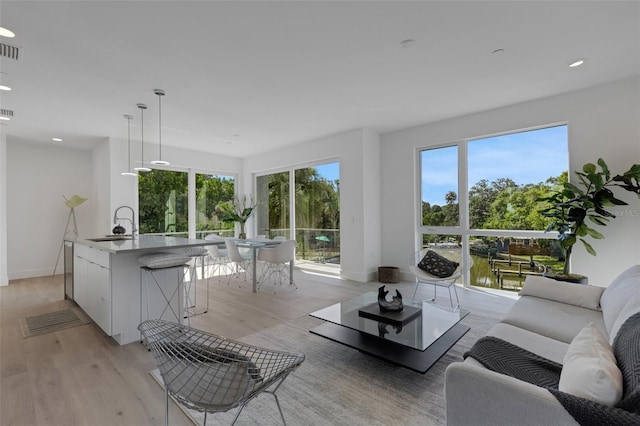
<point>453,254</point>
<point>209,373</point>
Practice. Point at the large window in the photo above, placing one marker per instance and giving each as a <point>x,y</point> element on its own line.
<point>163,201</point>
<point>440,187</point>
<point>211,190</point>
<point>507,173</point>
<point>310,213</point>
<point>498,218</point>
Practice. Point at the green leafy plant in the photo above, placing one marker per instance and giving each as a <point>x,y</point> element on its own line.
<point>236,211</point>
<point>573,209</point>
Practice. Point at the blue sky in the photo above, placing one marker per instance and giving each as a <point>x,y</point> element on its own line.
<point>329,171</point>
<point>526,157</point>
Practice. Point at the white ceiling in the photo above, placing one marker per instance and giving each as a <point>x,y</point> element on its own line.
<point>245,77</point>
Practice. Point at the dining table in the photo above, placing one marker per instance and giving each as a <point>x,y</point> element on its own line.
<point>255,244</point>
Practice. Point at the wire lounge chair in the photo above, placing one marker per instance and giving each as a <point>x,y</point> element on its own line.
<point>213,374</point>
<point>458,267</point>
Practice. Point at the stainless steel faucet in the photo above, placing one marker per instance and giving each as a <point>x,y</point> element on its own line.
<point>134,229</point>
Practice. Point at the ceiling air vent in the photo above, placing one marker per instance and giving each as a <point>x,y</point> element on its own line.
<point>6,113</point>
<point>10,51</point>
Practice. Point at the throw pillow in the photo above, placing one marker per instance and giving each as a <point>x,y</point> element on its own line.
<point>589,369</point>
<point>586,296</point>
<point>438,266</point>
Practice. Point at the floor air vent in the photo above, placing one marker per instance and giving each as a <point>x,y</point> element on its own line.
<point>10,51</point>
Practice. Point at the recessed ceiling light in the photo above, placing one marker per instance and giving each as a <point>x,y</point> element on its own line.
<point>6,33</point>
<point>407,44</point>
<point>5,88</point>
<point>2,117</point>
<point>56,139</point>
<point>576,63</point>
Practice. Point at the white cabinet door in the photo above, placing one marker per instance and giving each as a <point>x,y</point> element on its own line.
<point>80,281</point>
<point>102,307</point>
<point>92,285</point>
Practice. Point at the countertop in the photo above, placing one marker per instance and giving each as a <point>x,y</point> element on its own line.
<point>143,243</point>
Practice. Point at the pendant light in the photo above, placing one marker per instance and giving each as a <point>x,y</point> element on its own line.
<point>129,172</point>
<point>159,161</point>
<point>142,168</point>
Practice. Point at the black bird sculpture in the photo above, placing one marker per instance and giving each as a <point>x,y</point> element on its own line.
<point>385,306</point>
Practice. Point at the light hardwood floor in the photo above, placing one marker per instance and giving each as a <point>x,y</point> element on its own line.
<point>80,376</point>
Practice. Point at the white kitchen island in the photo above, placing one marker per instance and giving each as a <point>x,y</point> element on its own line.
<point>107,284</point>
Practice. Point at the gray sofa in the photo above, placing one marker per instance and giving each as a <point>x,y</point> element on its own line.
<point>551,319</point>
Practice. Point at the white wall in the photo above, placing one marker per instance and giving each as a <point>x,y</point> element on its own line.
<point>371,203</point>
<point>359,156</point>
<point>4,276</point>
<point>101,190</point>
<point>37,178</point>
<point>603,122</point>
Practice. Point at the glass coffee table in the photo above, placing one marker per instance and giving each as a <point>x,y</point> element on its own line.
<point>418,343</point>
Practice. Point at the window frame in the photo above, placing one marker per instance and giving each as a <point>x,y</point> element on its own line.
<point>463,229</point>
<point>291,169</point>
<point>191,191</point>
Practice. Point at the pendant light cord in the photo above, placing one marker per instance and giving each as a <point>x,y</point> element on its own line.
<point>142,167</point>
<point>129,139</point>
<point>159,161</point>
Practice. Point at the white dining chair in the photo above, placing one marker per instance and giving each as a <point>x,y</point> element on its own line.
<point>277,261</point>
<point>242,260</point>
<point>218,256</point>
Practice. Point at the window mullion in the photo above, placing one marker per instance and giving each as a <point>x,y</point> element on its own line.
<point>191,197</point>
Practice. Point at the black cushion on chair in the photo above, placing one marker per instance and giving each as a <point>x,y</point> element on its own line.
<point>438,266</point>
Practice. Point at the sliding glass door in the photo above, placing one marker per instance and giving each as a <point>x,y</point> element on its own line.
<point>273,210</point>
<point>303,204</point>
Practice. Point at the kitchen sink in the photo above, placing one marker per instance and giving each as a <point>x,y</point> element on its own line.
<point>109,238</point>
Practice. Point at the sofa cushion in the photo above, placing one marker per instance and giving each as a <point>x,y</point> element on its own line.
<point>552,319</point>
<point>618,293</point>
<point>438,266</point>
<point>585,296</point>
<point>163,260</point>
<point>630,308</point>
<point>589,369</point>
<point>544,346</point>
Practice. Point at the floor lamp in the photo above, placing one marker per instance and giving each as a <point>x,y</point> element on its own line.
<point>72,203</point>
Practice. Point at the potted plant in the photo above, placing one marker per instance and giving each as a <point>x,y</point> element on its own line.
<point>574,208</point>
<point>236,211</point>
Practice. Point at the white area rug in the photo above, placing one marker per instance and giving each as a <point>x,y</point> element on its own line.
<point>337,385</point>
